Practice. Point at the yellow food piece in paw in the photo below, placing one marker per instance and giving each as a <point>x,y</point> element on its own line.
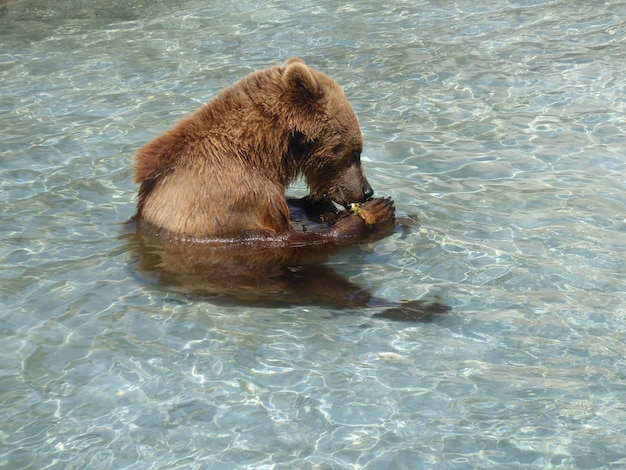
<point>366,215</point>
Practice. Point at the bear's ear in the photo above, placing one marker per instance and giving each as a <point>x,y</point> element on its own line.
<point>293,60</point>
<point>299,79</point>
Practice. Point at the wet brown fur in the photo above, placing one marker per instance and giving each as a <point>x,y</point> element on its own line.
<point>221,172</point>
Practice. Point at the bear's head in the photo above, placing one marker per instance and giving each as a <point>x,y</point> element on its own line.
<point>327,141</point>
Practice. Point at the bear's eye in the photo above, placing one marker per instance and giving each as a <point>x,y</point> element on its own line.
<point>338,149</point>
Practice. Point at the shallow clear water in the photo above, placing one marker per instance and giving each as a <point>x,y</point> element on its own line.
<point>500,123</point>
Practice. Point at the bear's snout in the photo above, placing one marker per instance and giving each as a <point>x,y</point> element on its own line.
<point>355,187</point>
<point>347,192</point>
<point>351,187</point>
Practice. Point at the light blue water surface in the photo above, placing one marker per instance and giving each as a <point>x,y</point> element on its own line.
<point>500,123</point>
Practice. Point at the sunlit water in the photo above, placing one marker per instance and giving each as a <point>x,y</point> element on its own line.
<point>499,123</point>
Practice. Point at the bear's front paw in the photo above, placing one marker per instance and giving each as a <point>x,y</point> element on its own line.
<point>371,218</point>
<point>379,213</point>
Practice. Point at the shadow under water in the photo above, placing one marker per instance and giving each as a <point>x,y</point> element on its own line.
<point>258,274</point>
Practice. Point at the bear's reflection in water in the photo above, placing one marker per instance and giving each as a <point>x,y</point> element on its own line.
<point>262,273</point>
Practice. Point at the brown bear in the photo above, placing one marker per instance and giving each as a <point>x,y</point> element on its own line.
<point>212,217</point>
<point>221,173</point>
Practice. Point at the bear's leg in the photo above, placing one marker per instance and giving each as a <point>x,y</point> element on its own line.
<point>316,209</point>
